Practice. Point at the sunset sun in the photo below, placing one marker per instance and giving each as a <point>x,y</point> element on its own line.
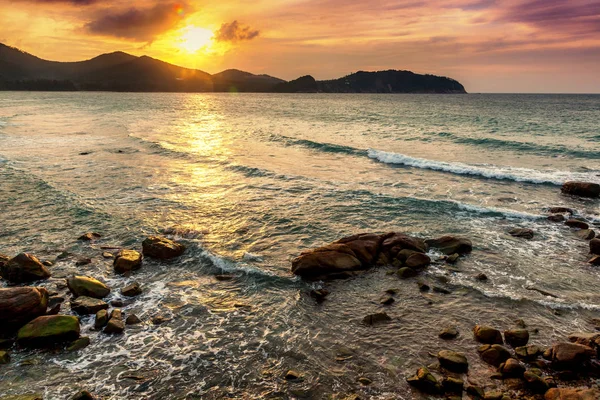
<point>194,38</point>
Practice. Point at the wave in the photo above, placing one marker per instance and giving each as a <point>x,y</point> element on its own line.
<point>324,147</point>
<point>553,177</point>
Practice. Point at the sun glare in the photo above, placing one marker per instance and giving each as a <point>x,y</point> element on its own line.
<point>195,38</point>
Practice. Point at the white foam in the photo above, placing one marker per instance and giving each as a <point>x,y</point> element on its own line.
<point>554,177</point>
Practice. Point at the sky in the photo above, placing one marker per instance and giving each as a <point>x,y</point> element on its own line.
<point>488,45</point>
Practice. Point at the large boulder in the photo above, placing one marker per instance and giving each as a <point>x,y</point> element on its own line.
<point>85,305</point>
<point>127,261</point>
<point>49,330</point>
<point>487,335</point>
<point>572,394</point>
<point>587,339</point>
<point>570,356</point>
<point>334,259</point>
<point>595,246</point>
<point>451,244</point>
<point>582,189</point>
<point>161,248</point>
<point>86,286</point>
<point>365,246</point>
<point>19,305</point>
<point>393,243</point>
<point>24,268</point>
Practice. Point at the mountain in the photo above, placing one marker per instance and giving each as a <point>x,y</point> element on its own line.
<point>120,71</point>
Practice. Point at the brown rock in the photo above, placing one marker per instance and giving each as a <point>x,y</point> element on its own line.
<point>101,319</point>
<point>595,246</point>
<point>132,319</point>
<point>323,261</point>
<point>85,305</point>
<point>570,356</point>
<point>451,244</point>
<point>556,218</point>
<point>89,236</point>
<point>24,268</point>
<point>516,337</point>
<point>572,394</point>
<point>115,322</point>
<point>373,319</point>
<point>488,335</point>
<point>595,260</point>
<point>364,246</point>
<point>512,368</point>
<point>561,210</point>
<point>132,290</point>
<point>494,354</point>
<point>395,242</point>
<point>127,261</point>
<point>582,189</point>
<point>425,382</point>
<point>406,272</point>
<point>528,353</point>
<point>448,333</point>
<point>453,361</point>
<point>19,305</point>
<point>524,233</point>
<point>86,286</point>
<point>535,382</point>
<point>587,339</point>
<point>161,248</point>
<point>418,261</point>
<point>585,234</point>
<point>575,223</point>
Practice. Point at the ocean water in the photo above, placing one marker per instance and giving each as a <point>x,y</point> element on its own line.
<point>247,182</point>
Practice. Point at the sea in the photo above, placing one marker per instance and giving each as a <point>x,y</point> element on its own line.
<point>249,181</point>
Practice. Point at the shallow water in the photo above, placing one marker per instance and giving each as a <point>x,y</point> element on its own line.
<point>248,181</point>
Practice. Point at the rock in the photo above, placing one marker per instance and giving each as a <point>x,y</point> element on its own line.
<point>585,234</point>
<point>582,189</point>
<point>19,305</point>
<point>451,244</point>
<point>561,210</point>
<point>387,300</point>
<point>453,258</point>
<point>587,339</point>
<point>528,353</point>
<point>364,381</point>
<point>79,344</point>
<point>448,333</point>
<point>132,290</point>
<point>24,268</point>
<point>595,260</point>
<point>106,254</point>
<point>83,261</point>
<point>3,259</point>
<point>319,294</point>
<point>395,242</point>
<point>516,337</point>
<point>595,246</point>
<point>453,361</point>
<point>494,354</point>
<point>89,236</point>
<point>115,322</point>
<point>512,368</point>
<point>329,260</point>
<point>365,247</point>
<point>569,356</point>
<point>572,394</point>
<point>475,392</point>
<point>4,357</point>
<point>406,272</point>
<point>47,263</point>
<point>418,261</point>
<point>423,287</point>
<point>161,248</point>
<point>132,319</point>
<point>524,233</point>
<point>83,395</point>
<point>160,319</point>
<point>425,382</point>
<point>85,305</point>
<point>86,286</point>
<point>54,310</point>
<point>439,289</point>
<point>6,343</point>
<point>376,318</point>
<point>575,223</point>
<point>481,277</point>
<point>127,260</point>
<point>49,330</point>
<point>292,375</point>
<point>556,218</point>
<point>535,383</point>
<point>224,277</point>
<point>452,385</point>
<point>101,319</point>
<point>487,335</point>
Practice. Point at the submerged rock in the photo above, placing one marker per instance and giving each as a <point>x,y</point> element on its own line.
<point>585,234</point>
<point>101,319</point>
<point>418,261</point>
<point>132,319</point>
<point>49,330</point>
<point>19,305</point>
<point>115,322</point>
<point>326,261</point>
<point>79,344</point>
<point>85,305</point>
<point>488,335</point>
<point>516,337</point>
<point>86,286</point>
<point>595,260</point>
<point>89,236</point>
<point>406,272</point>
<point>24,268</point>
<point>535,382</point>
<point>376,318</point>
<point>587,339</point>
<point>451,244</point>
<point>127,261</point>
<point>161,248</point>
<point>448,333</point>
<point>425,382</point>
<point>582,189</point>
<point>292,375</point>
<point>453,361</point>
<point>595,246</point>
<point>575,223</point>
<point>524,233</point>
<point>452,385</point>
<point>132,290</point>
<point>556,218</point>
<point>319,294</point>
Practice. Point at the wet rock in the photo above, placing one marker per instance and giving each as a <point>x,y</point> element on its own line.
<point>587,339</point>
<point>54,310</point>
<point>575,223</point>
<point>481,277</point>
<point>83,395</point>
<point>132,290</point>
<point>387,300</point>
<point>319,294</point>
<point>19,305</point>
<point>49,330</point>
<point>524,233</point>
<point>364,381</point>
<point>3,259</point>
<point>406,272</point>
<point>535,382</point>
<point>117,303</point>
<point>561,210</point>
<point>83,261</point>
<point>364,246</point>
<point>572,394</point>
<point>582,189</point>
<point>556,218</point>
<point>452,385</point>
<point>160,319</point>
<point>453,361</point>
<point>47,263</point>
<point>79,344</point>
<point>4,357</point>
<point>161,248</point>
<point>423,287</point>
<point>541,291</point>
<point>448,333</point>
<point>487,335</point>
<point>475,392</point>
<point>585,234</point>
<point>292,375</point>
<point>569,356</point>
<point>439,289</point>
<point>516,337</point>
<point>115,322</point>
<point>107,255</point>
<point>512,368</point>
<point>418,261</point>
<point>132,319</point>
<point>595,246</point>
<point>528,353</point>
<point>494,354</point>
<point>329,260</point>
<point>394,243</point>
<point>425,382</point>
<point>89,236</point>
<point>451,244</point>
<point>453,258</point>
<point>373,319</point>
<point>595,260</point>
<point>224,277</point>
<point>24,268</point>
<point>127,261</point>
<point>85,305</point>
<point>86,286</point>
<point>101,319</point>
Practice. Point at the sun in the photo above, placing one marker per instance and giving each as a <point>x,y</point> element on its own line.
<point>194,38</point>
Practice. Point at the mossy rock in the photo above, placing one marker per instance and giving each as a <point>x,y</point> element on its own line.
<point>86,286</point>
<point>49,330</point>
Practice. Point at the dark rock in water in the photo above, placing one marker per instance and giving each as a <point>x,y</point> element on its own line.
<point>595,246</point>
<point>406,272</point>
<point>83,261</point>
<point>528,353</point>
<point>572,394</point>
<point>115,322</point>
<point>101,319</point>
<point>24,268</point>
<point>54,310</point>
<point>452,385</point>
<point>83,395</point>
<point>19,305</point>
<point>494,354</point>
<point>4,357</point>
<point>448,333</point>
<point>425,382</point>
<point>535,383</point>
<point>556,218</point>
<point>423,287</point>
<point>569,356</point>
<point>132,290</point>
<point>89,236</point>
<point>481,277</point>
<point>328,260</point>
<point>79,344</point>
<point>439,289</point>
<point>117,303</point>
<point>292,375</point>
<point>376,318</point>
<point>575,223</point>
<point>224,277</point>
<point>587,339</point>
<point>132,319</point>
<point>127,261</point>
<point>516,337</point>
<point>595,260</point>
<point>85,305</point>
<point>582,189</point>
<point>475,392</point>
<point>487,335</point>
<point>86,286</point>
<point>160,319</point>
<point>512,368</point>
<point>387,300</point>
<point>49,330</point>
<point>453,361</point>
<point>107,255</point>
<point>161,248</point>
<point>561,210</point>
<point>364,381</point>
<point>319,294</point>
<point>585,234</point>
<point>453,258</point>
<point>365,247</point>
<point>524,233</point>
<point>418,261</point>
<point>395,242</point>
<point>451,244</point>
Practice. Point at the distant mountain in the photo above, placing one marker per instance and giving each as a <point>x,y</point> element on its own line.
<point>123,72</point>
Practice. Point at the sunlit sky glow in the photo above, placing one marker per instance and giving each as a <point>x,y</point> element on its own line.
<point>488,45</point>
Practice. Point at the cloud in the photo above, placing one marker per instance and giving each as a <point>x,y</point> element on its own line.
<point>235,32</point>
<point>74,2</point>
<point>139,24</point>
